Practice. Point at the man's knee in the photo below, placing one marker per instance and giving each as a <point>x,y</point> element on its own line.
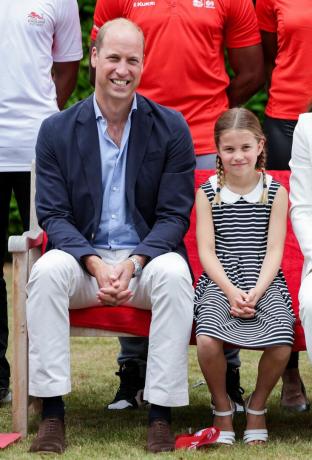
<point>172,268</point>
<point>54,266</point>
<point>172,286</point>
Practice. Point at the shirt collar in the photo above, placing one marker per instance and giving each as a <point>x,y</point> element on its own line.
<point>98,113</point>
<point>227,196</point>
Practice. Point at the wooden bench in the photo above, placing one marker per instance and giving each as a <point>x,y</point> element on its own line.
<point>109,321</point>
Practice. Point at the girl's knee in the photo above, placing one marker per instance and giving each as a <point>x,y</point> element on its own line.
<point>285,351</point>
<point>281,353</point>
<point>208,344</point>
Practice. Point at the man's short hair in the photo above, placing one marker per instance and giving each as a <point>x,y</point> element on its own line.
<point>123,23</point>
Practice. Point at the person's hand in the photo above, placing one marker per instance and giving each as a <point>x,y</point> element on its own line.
<point>252,297</point>
<point>238,303</point>
<point>105,277</point>
<point>118,292</point>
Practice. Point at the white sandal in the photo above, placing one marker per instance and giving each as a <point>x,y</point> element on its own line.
<point>225,437</point>
<point>260,434</point>
<point>238,408</point>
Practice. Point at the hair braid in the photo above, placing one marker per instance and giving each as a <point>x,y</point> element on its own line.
<point>261,165</point>
<point>220,181</point>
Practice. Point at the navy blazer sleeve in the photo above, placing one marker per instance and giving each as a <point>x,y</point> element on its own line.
<point>53,204</point>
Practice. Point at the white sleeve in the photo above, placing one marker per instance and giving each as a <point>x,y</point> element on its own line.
<point>67,45</point>
<point>301,187</point>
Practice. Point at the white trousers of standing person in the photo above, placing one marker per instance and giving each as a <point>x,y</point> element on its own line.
<point>58,283</point>
<point>305,310</point>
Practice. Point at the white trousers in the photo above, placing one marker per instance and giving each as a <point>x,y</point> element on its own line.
<point>57,282</point>
<point>305,310</point>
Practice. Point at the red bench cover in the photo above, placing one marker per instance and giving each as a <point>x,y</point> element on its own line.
<point>137,322</point>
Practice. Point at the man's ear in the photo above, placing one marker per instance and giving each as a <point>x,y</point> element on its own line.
<point>93,57</point>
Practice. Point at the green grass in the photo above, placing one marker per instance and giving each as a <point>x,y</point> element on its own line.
<point>96,433</point>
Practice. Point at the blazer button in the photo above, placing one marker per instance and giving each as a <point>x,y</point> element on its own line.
<point>92,236</point>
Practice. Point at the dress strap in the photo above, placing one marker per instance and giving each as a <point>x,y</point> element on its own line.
<point>208,190</point>
<point>272,190</point>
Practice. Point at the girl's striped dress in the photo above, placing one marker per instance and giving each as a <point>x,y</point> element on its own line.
<point>241,230</point>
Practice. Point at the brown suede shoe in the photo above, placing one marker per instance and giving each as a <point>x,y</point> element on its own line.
<point>159,437</point>
<point>50,437</point>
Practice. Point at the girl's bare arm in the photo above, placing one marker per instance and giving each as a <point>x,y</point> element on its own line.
<point>275,245</point>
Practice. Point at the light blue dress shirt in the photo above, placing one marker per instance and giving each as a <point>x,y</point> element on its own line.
<point>116,229</point>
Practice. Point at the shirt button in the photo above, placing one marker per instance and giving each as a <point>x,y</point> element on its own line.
<point>113,216</point>
<point>115,189</point>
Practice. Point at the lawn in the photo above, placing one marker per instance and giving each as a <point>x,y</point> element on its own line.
<point>93,432</point>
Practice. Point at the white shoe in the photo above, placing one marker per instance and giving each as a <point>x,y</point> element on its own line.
<point>260,434</point>
<point>226,437</point>
<point>238,408</point>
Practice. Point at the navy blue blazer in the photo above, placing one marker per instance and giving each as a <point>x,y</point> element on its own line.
<point>159,179</point>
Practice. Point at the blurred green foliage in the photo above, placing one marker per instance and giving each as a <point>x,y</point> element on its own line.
<point>15,225</point>
<point>83,89</point>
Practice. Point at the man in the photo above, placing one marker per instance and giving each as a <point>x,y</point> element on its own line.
<point>185,69</point>
<point>115,189</point>
<point>36,37</point>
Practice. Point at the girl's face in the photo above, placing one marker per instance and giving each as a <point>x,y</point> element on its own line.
<point>239,150</point>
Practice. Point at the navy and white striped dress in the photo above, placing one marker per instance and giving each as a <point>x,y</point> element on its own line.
<point>241,230</point>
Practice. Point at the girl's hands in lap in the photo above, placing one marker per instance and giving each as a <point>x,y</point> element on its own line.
<point>253,297</point>
<point>241,305</point>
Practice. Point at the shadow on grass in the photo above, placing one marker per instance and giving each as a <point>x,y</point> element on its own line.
<point>88,418</point>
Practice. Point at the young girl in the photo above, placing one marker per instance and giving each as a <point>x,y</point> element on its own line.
<point>242,297</point>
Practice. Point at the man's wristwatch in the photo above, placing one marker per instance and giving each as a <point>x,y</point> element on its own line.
<point>137,266</point>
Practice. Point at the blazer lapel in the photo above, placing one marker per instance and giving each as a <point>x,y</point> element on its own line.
<point>141,126</point>
<point>89,150</point>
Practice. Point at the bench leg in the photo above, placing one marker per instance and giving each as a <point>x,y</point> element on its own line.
<point>20,345</point>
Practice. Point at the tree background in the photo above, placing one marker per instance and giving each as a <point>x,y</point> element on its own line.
<point>83,89</point>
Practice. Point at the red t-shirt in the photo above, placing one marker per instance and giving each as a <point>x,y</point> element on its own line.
<point>291,86</point>
<point>184,64</point>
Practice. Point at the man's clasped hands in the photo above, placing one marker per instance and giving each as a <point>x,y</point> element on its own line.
<point>113,280</point>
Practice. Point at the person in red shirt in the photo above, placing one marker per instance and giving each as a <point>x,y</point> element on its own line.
<point>286,30</point>
<point>184,59</point>
<point>185,69</point>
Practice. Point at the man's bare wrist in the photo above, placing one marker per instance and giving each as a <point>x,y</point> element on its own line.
<point>91,263</point>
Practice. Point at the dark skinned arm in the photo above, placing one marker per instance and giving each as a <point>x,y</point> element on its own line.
<point>247,64</point>
<point>269,44</point>
<point>65,79</point>
<point>91,69</point>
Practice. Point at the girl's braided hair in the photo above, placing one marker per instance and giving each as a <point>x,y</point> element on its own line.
<point>239,118</point>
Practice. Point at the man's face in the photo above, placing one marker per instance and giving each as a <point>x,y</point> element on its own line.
<point>119,63</point>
